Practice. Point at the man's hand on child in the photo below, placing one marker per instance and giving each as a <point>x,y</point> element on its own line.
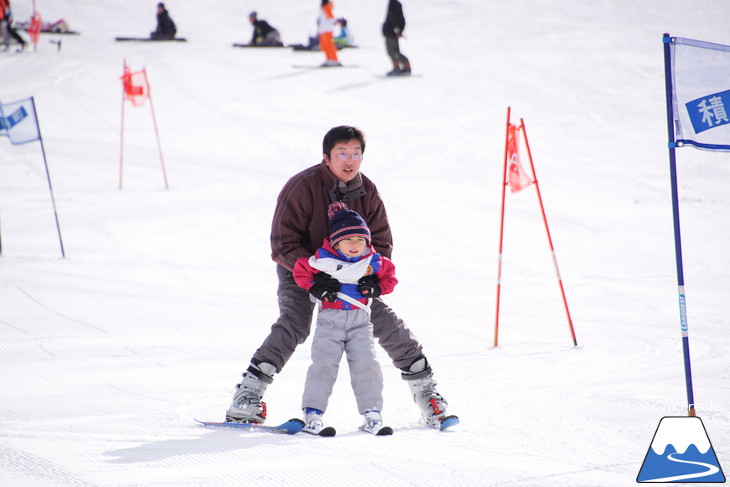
<point>325,287</point>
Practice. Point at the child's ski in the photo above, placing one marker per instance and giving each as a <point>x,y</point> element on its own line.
<point>320,66</point>
<point>328,431</point>
<point>383,431</point>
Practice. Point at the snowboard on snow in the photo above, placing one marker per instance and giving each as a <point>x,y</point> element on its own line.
<point>302,47</point>
<point>253,46</point>
<point>148,39</point>
<point>402,76</point>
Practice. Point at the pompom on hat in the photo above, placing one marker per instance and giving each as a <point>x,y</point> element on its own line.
<point>346,223</point>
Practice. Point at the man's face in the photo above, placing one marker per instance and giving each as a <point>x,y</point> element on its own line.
<point>344,160</point>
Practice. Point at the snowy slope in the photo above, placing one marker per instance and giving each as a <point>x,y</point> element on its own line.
<point>108,355</point>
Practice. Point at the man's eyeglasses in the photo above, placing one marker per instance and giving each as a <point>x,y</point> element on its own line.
<point>343,156</point>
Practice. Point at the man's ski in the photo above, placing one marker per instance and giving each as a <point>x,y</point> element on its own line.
<point>448,422</point>
<point>290,427</point>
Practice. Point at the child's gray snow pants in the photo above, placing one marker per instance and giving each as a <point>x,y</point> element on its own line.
<point>346,331</point>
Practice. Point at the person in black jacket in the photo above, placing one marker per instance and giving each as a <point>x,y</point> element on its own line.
<point>166,28</point>
<point>263,33</point>
<point>393,28</point>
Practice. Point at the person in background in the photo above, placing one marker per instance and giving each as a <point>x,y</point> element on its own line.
<point>343,37</point>
<point>166,28</point>
<point>325,27</point>
<point>4,35</point>
<point>264,34</point>
<point>393,27</point>
<point>6,27</point>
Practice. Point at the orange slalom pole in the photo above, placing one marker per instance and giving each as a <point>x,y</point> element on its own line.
<point>501,232</point>
<point>547,230</point>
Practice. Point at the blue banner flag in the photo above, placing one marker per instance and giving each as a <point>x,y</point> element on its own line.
<point>709,111</point>
<point>18,121</point>
<point>700,93</point>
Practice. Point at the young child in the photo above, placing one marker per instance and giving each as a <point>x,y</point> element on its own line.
<point>343,274</point>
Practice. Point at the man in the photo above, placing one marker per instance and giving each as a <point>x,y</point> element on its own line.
<point>299,225</point>
<point>263,33</point>
<point>393,28</point>
<point>166,28</point>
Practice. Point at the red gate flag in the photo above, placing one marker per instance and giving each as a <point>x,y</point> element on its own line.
<point>34,30</point>
<point>136,86</point>
<point>517,178</point>
<point>136,89</point>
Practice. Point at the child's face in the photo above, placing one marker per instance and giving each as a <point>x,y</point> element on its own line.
<point>352,246</point>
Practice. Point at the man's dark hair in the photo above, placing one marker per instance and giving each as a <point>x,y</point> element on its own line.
<point>342,134</point>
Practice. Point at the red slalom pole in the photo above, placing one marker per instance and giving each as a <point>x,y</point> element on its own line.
<point>547,230</point>
<point>157,133</point>
<point>501,232</point>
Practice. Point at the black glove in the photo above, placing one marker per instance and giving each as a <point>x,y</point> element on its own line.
<point>369,287</point>
<point>325,287</point>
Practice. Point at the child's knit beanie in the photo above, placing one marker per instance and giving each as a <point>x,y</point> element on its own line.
<point>345,223</point>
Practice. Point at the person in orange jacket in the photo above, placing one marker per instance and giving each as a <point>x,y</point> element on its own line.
<point>3,25</point>
<point>326,25</point>
<point>6,27</point>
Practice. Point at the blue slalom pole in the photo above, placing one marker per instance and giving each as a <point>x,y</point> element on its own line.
<point>48,176</point>
<point>677,235</point>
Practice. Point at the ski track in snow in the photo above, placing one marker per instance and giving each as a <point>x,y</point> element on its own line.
<point>42,305</point>
<point>22,467</point>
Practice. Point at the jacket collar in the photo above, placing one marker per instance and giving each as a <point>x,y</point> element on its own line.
<point>339,191</point>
